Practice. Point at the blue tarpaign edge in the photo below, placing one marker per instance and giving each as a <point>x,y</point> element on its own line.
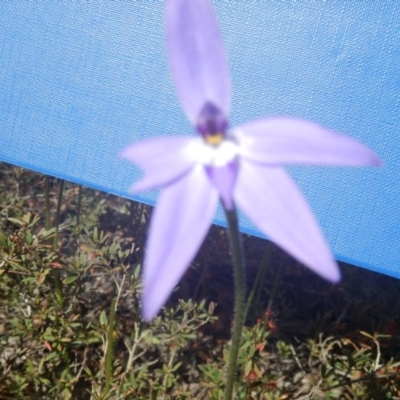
<point>81,80</point>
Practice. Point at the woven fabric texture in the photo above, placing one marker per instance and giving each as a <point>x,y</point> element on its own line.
<point>79,80</point>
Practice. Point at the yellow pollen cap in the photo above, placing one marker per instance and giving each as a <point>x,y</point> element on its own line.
<point>214,139</point>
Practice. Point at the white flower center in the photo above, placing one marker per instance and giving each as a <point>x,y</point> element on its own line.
<point>210,155</point>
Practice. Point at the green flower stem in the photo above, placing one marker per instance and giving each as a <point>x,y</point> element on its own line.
<point>57,221</point>
<point>56,274</point>
<point>110,346</point>
<point>239,275</point>
<point>259,280</point>
<point>276,284</point>
<point>47,201</point>
<point>78,207</point>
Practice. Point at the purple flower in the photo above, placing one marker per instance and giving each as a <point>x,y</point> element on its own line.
<point>241,165</point>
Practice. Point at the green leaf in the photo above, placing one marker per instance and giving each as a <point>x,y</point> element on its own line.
<point>103,318</point>
<point>51,356</point>
<point>16,221</point>
<point>44,381</point>
<point>69,280</point>
<point>26,218</point>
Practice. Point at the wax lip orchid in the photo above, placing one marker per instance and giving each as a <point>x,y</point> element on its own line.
<point>241,166</point>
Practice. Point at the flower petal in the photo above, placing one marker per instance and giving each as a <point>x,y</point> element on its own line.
<point>278,141</point>
<point>275,205</point>
<point>224,180</point>
<point>197,56</point>
<point>179,223</point>
<point>163,160</point>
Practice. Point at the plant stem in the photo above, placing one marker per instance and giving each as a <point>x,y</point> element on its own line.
<point>47,201</point>
<point>56,274</point>
<point>110,346</point>
<point>57,221</point>
<point>239,276</point>
<point>259,279</point>
<point>78,207</point>
<point>276,284</point>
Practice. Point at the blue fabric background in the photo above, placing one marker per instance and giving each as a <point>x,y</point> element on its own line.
<point>79,80</point>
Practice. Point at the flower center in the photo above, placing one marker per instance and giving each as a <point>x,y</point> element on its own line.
<point>212,124</point>
<point>214,140</point>
<point>212,155</point>
<point>214,149</point>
